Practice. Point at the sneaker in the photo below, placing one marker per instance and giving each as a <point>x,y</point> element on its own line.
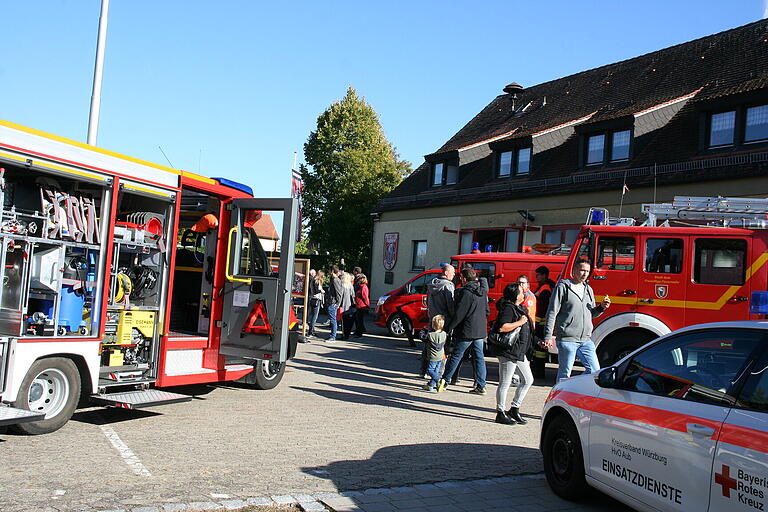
<point>330,340</point>
<point>429,389</point>
<point>477,391</point>
<point>441,385</point>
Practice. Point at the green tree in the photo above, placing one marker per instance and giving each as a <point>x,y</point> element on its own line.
<point>350,167</point>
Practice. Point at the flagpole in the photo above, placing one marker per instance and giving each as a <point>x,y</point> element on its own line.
<point>93,116</point>
<point>623,191</point>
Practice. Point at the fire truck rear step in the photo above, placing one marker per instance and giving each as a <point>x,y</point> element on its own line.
<point>13,416</point>
<point>139,399</point>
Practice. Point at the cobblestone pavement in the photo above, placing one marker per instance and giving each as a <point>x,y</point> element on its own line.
<point>348,416</point>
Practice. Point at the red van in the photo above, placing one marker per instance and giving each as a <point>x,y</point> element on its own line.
<point>406,307</point>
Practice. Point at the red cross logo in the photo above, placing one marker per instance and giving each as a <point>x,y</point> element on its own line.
<point>725,481</point>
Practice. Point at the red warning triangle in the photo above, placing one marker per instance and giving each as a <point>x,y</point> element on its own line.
<point>257,322</point>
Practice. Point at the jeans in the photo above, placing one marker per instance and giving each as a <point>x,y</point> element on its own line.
<point>433,369</point>
<point>507,369</point>
<point>313,312</point>
<point>459,347</point>
<point>567,352</point>
<point>332,308</point>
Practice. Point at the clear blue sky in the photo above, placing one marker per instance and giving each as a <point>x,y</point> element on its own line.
<point>234,87</point>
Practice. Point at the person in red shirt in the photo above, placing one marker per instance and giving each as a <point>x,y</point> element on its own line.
<point>362,302</point>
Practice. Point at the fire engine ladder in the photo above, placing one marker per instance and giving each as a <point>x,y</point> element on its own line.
<point>13,416</point>
<point>139,399</point>
<point>743,212</point>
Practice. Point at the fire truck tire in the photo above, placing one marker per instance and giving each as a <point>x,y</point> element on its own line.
<point>52,386</point>
<point>563,459</point>
<point>267,374</point>
<point>621,343</point>
<point>398,325</point>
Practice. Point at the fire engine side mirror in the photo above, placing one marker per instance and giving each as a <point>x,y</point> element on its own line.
<point>606,378</point>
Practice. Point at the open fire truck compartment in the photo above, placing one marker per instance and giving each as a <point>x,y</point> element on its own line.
<point>119,277</point>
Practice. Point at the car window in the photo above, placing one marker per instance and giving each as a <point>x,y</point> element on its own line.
<point>484,269</point>
<point>700,366</point>
<point>418,285</point>
<point>755,393</point>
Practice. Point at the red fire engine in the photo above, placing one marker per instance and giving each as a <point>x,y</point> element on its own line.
<point>119,277</point>
<point>662,278</point>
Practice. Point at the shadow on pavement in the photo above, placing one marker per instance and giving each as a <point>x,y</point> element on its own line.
<point>110,415</point>
<point>387,398</point>
<point>424,463</point>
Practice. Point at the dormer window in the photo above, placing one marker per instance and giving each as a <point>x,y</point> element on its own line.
<point>756,128</point>
<point>721,129</point>
<point>515,162</point>
<point>596,149</point>
<point>737,127</point>
<point>444,174</point>
<point>613,146</point>
<point>437,174</point>
<point>620,145</point>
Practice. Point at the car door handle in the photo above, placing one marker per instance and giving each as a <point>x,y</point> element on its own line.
<point>599,278</point>
<point>736,300</point>
<point>646,301</point>
<point>626,293</point>
<point>702,430</point>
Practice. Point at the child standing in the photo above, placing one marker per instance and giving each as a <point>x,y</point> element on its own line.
<point>436,343</point>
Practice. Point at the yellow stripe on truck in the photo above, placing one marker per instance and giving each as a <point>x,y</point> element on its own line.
<point>696,304</point>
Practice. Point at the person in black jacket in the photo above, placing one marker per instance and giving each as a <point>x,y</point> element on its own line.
<point>469,329</point>
<point>513,314</point>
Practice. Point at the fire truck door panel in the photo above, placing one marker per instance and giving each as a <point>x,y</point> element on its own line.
<point>662,286</point>
<point>719,287</point>
<point>257,297</point>
<point>615,272</point>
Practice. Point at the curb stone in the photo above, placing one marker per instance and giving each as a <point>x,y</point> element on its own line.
<point>325,501</point>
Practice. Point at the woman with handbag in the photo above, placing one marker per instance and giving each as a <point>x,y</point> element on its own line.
<point>511,340</point>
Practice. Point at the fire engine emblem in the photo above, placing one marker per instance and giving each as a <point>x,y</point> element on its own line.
<point>661,291</point>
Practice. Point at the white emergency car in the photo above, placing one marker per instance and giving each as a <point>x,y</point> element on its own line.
<point>679,424</point>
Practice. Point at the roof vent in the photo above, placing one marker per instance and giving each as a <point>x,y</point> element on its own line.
<point>513,88</point>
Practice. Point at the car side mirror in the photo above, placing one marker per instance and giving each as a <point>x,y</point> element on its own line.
<point>607,377</point>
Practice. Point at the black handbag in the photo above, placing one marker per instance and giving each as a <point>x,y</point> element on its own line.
<point>505,339</point>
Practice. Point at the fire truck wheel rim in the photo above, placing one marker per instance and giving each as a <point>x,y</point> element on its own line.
<point>271,369</point>
<point>49,392</point>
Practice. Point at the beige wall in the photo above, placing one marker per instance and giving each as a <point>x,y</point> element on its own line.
<point>429,223</point>
<point>441,246</point>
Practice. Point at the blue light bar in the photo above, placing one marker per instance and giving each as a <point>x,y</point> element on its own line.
<point>234,184</point>
<point>759,303</point>
<point>597,217</point>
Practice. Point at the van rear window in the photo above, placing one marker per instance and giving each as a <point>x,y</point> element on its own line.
<point>484,269</point>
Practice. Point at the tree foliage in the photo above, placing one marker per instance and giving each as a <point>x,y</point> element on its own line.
<point>350,167</point>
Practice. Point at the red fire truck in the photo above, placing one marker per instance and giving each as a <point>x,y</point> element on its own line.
<point>120,277</point>
<point>662,278</point>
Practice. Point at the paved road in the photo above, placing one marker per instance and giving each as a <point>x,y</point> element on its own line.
<point>348,416</point>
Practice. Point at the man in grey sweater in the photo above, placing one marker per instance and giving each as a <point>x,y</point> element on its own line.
<point>569,316</point>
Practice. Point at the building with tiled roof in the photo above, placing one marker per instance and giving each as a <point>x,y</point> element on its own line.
<point>691,119</point>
